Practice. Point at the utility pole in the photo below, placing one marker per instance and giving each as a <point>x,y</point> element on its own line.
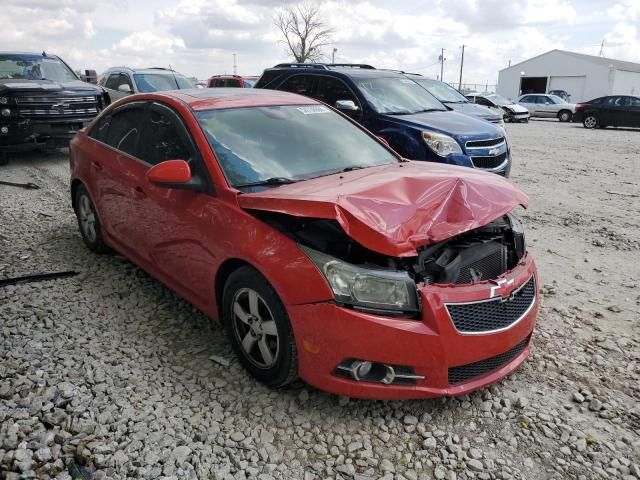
<point>601,54</point>
<point>235,67</point>
<point>333,55</point>
<point>461,64</point>
<point>441,63</point>
<point>509,63</point>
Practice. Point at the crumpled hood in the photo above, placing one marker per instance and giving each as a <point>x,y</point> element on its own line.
<point>475,110</point>
<point>514,107</point>
<point>394,209</point>
<point>46,86</point>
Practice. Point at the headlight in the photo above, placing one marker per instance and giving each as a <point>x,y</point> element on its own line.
<point>519,241</point>
<point>4,100</point>
<point>374,290</point>
<point>5,112</point>
<point>441,144</point>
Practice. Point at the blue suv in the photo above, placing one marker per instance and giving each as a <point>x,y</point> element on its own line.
<point>394,107</point>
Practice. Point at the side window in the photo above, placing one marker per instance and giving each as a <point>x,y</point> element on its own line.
<point>113,81</point>
<point>484,101</point>
<point>330,90</point>
<point>125,80</point>
<point>635,101</point>
<point>167,138</point>
<point>232,82</point>
<point>124,130</point>
<point>300,84</point>
<point>218,83</point>
<point>527,99</point>
<point>615,101</point>
<point>100,129</point>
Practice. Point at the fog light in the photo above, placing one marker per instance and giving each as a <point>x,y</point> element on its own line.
<point>5,112</point>
<point>4,130</point>
<point>374,372</point>
<point>4,100</point>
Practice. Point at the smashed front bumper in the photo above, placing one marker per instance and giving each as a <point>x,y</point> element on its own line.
<point>433,357</point>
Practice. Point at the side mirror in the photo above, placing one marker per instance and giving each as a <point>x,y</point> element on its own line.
<point>347,105</point>
<point>170,174</point>
<point>124,88</point>
<point>91,76</point>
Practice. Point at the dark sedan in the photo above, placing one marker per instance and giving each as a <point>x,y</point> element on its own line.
<point>612,111</point>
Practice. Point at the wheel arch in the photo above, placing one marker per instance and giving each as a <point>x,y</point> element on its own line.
<point>75,184</point>
<point>223,273</point>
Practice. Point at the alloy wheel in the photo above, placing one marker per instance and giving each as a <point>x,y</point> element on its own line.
<point>255,328</point>
<point>87,217</point>
<point>590,121</point>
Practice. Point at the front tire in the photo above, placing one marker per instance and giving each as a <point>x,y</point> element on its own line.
<point>88,221</point>
<point>590,121</point>
<point>564,116</point>
<point>258,327</point>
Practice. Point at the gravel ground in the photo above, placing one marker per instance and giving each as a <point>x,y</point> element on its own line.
<point>109,375</point>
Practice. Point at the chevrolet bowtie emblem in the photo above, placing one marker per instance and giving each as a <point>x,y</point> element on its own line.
<point>502,288</point>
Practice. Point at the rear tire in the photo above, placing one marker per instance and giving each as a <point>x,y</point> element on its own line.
<point>590,121</point>
<point>258,327</point>
<point>564,116</point>
<point>88,221</point>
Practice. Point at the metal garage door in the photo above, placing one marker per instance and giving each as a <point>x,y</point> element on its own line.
<point>574,86</point>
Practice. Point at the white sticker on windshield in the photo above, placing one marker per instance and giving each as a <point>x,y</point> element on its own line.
<point>49,60</point>
<point>406,80</point>
<point>311,109</point>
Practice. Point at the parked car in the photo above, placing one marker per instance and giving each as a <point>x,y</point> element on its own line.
<point>232,81</point>
<point>453,99</point>
<point>563,94</point>
<point>43,103</point>
<point>547,106</point>
<point>325,254</point>
<point>512,111</point>
<point>612,111</point>
<point>123,81</point>
<point>414,123</point>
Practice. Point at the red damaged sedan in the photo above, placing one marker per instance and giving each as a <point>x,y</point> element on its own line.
<point>325,255</point>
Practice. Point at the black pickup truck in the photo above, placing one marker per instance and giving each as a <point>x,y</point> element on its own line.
<point>43,103</point>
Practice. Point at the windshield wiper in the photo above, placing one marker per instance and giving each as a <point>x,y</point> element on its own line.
<point>351,169</point>
<point>273,181</point>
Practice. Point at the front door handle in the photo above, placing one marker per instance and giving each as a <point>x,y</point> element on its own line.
<point>138,192</point>
<point>96,165</point>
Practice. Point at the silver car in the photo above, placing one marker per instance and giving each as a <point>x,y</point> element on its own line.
<point>547,106</point>
<point>122,81</point>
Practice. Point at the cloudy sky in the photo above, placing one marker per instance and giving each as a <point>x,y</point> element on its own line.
<point>198,37</point>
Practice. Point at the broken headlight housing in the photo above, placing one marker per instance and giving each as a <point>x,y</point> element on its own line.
<point>441,144</point>
<point>371,290</point>
<point>519,242</point>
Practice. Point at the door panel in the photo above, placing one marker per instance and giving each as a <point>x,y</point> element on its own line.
<point>177,225</point>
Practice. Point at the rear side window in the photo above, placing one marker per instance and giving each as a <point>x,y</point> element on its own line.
<point>124,130</point>
<point>232,82</point>
<point>100,129</point>
<point>528,99</point>
<point>300,84</point>
<point>635,101</point>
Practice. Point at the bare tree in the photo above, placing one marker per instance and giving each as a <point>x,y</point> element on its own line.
<point>304,30</point>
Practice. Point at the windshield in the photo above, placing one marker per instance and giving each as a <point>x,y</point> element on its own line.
<point>498,99</point>
<point>249,83</point>
<point>442,91</point>
<point>157,82</point>
<point>397,95</point>
<point>290,142</point>
<point>34,67</point>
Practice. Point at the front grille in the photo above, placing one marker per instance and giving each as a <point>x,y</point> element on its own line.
<point>472,370</point>
<point>57,106</point>
<point>489,162</point>
<point>496,314</point>
<point>484,143</point>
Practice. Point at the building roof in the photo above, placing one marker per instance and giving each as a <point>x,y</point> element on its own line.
<point>604,61</point>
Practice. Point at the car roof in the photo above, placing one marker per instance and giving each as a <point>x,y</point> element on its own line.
<point>349,70</point>
<point>219,98</point>
<point>158,70</point>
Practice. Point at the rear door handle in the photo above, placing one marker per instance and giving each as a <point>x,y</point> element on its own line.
<point>138,192</point>
<point>96,165</point>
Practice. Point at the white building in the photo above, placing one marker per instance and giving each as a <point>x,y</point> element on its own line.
<point>584,77</point>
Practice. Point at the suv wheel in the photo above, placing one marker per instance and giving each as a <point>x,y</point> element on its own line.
<point>259,329</point>
<point>590,121</point>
